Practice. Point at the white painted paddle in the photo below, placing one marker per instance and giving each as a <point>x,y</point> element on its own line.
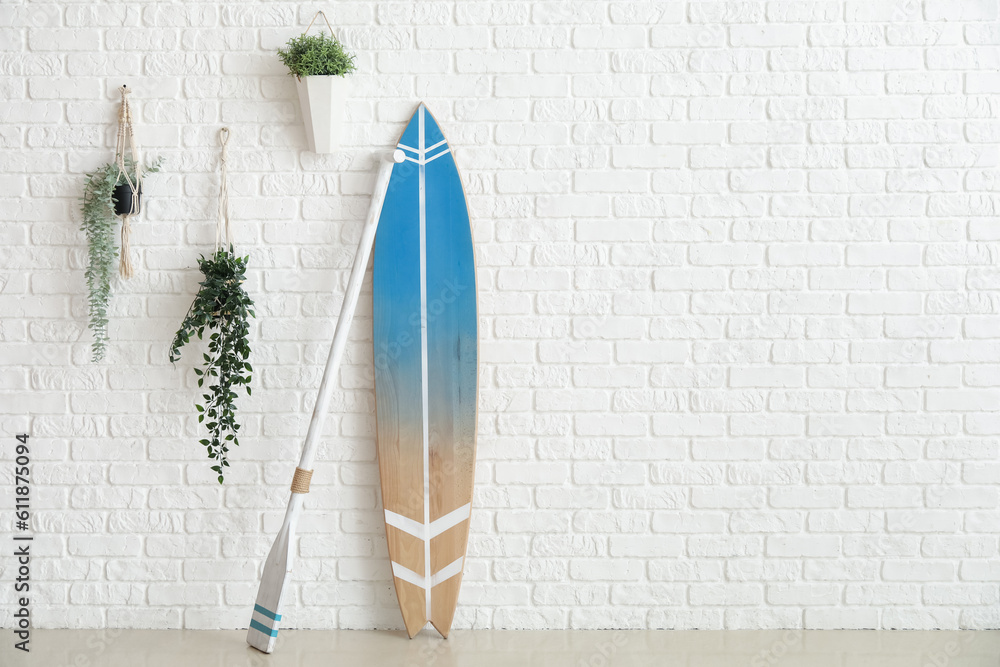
<point>274,580</point>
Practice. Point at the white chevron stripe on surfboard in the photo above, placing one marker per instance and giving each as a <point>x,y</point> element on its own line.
<point>437,155</point>
<point>417,150</point>
<point>444,574</point>
<point>434,528</point>
<point>422,161</point>
<point>421,153</point>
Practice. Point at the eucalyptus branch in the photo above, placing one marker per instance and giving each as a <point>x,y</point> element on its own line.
<point>98,209</point>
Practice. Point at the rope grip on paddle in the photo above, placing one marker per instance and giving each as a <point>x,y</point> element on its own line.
<point>300,482</point>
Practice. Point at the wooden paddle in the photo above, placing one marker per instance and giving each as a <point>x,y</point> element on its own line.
<point>274,580</point>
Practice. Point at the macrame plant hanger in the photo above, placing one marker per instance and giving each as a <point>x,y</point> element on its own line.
<point>223,232</point>
<point>318,14</point>
<point>127,142</point>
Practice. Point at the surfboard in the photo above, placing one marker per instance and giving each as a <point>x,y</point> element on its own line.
<point>425,337</point>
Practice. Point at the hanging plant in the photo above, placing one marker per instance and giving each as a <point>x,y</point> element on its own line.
<point>98,206</point>
<point>316,55</point>
<point>320,64</point>
<point>223,307</point>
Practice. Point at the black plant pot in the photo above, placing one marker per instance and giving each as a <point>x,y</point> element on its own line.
<point>123,200</point>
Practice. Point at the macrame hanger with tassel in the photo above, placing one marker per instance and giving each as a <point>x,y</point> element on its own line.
<point>126,142</point>
<point>223,232</point>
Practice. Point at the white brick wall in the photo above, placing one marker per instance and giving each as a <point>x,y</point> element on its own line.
<point>739,292</point>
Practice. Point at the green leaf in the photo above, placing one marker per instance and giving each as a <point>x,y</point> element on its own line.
<point>310,55</point>
<point>220,307</point>
<point>98,223</point>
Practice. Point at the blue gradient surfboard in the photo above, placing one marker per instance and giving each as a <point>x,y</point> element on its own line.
<point>426,385</point>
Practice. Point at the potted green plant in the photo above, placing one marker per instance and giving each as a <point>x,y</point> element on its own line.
<point>320,65</point>
<point>102,200</point>
<point>223,307</point>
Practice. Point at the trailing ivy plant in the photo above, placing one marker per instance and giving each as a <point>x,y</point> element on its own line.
<point>316,55</point>
<point>223,307</point>
<point>99,221</point>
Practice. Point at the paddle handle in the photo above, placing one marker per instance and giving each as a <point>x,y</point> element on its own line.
<point>347,309</point>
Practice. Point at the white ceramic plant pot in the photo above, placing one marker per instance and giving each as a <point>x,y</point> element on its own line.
<point>323,99</point>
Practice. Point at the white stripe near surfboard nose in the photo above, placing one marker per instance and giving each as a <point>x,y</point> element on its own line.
<point>421,153</point>
<point>422,143</point>
<point>418,150</point>
<point>436,156</point>
<point>421,161</point>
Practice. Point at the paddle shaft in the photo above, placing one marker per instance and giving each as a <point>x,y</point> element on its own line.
<point>346,313</point>
<point>265,618</point>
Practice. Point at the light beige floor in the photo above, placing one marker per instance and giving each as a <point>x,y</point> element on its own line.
<point>487,648</point>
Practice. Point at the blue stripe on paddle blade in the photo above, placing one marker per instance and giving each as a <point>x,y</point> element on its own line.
<point>260,627</point>
<point>269,614</point>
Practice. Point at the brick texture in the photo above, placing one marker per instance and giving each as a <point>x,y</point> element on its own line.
<point>740,309</point>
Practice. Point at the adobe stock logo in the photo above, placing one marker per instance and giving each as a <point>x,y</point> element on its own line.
<point>604,652</point>
<point>778,649</point>
<point>951,649</point>
<point>391,351</point>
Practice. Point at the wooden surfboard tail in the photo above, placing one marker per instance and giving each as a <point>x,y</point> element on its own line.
<point>444,602</point>
<point>443,543</point>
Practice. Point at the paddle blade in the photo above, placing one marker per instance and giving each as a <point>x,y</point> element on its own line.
<point>263,632</point>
